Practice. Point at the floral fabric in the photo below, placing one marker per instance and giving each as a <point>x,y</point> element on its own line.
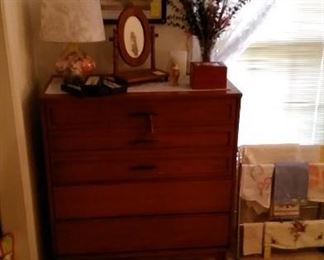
<point>294,234</point>
<point>256,181</point>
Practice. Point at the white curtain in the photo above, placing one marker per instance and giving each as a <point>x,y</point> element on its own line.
<point>237,38</point>
<point>281,75</point>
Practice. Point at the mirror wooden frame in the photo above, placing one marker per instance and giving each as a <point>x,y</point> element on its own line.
<point>135,76</point>
<point>125,15</point>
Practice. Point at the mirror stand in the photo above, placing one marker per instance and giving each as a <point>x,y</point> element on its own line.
<point>135,76</point>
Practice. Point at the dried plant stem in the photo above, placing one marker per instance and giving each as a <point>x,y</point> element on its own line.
<point>206,19</point>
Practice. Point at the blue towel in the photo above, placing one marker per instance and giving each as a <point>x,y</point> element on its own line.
<point>290,182</point>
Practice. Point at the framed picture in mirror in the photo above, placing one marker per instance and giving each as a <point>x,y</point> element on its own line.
<point>154,10</point>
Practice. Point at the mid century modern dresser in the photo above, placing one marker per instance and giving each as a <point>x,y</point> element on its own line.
<point>148,174</point>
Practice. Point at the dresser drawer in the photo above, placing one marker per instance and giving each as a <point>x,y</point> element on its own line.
<point>140,174</point>
<point>136,112</point>
<point>98,167</point>
<point>140,234</point>
<point>93,139</point>
<point>145,198</point>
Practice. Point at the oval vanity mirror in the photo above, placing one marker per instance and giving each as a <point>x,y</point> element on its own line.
<point>133,36</point>
<point>134,42</point>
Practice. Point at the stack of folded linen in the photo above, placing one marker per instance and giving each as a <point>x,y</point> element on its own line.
<point>281,177</point>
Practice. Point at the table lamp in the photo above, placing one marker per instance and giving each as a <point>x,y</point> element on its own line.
<point>72,22</point>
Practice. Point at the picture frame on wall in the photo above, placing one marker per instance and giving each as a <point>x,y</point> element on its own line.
<point>155,10</point>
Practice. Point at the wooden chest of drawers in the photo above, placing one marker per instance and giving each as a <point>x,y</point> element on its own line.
<point>141,175</point>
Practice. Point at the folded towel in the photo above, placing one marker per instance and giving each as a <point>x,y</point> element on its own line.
<point>290,183</point>
<point>316,182</point>
<point>252,238</point>
<point>310,153</point>
<point>256,182</point>
<point>294,234</point>
<point>270,153</point>
<point>286,211</point>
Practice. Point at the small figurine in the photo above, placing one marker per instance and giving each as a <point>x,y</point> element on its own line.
<point>174,74</point>
<point>134,44</point>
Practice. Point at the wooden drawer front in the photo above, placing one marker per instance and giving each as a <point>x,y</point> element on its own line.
<point>162,138</point>
<point>140,234</point>
<point>102,167</point>
<point>135,112</point>
<point>87,113</point>
<point>142,199</point>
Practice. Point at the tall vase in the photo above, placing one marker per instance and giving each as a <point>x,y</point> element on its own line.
<point>194,50</point>
<point>198,51</point>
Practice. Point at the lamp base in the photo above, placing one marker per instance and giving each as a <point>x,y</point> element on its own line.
<point>74,65</point>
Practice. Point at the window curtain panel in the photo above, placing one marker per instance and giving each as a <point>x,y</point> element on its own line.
<point>281,76</point>
<point>237,38</point>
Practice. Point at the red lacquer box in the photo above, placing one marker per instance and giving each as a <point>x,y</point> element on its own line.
<point>208,75</point>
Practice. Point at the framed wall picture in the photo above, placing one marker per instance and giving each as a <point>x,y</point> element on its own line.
<point>155,10</point>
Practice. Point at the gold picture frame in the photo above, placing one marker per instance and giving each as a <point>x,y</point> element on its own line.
<point>155,10</point>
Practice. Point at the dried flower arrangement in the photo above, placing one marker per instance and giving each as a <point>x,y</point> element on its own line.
<point>206,19</point>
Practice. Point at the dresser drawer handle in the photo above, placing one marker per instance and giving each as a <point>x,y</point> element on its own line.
<point>151,124</point>
<point>142,114</point>
<point>142,141</point>
<point>144,167</point>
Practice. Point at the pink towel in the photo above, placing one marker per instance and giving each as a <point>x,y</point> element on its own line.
<point>316,182</point>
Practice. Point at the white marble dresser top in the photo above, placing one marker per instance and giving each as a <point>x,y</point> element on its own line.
<point>54,87</point>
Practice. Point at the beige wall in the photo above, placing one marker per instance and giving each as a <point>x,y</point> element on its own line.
<point>13,215</point>
<point>17,99</point>
<point>46,53</point>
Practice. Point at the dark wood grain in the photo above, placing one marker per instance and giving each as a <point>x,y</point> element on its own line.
<point>147,198</point>
<point>141,175</point>
<point>139,234</point>
<point>115,113</point>
<point>98,139</point>
<point>101,167</point>
<point>214,253</point>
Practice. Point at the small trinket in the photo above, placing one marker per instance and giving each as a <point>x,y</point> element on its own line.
<point>175,74</point>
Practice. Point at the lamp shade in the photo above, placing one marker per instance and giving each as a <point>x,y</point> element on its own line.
<point>71,21</point>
